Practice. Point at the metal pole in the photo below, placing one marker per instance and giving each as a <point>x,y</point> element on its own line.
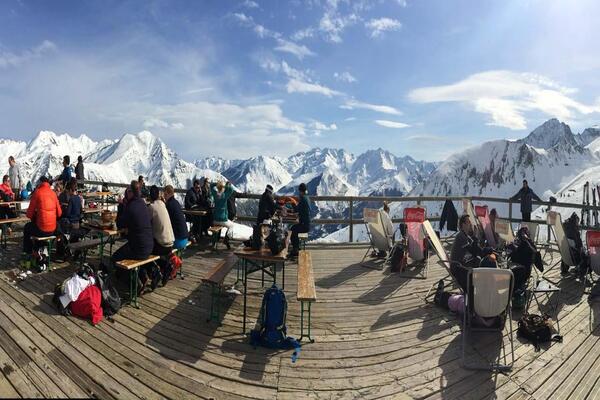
<point>351,229</point>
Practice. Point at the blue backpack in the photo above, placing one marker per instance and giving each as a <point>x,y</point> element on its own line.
<point>273,332</point>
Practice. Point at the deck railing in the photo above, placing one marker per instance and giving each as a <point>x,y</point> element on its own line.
<point>351,220</point>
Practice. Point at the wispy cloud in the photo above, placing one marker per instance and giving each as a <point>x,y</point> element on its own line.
<point>297,86</point>
<point>10,59</point>
<point>344,77</point>
<point>379,26</point>
<point>354,104</point>
<point>299,51</point>
<point>332,24</point>
<point>250,4</point>
<point>506,96</point>
<point>391,124</point>
<point>303,34</point>
<point>159,123</point>
<point>283,45</point>
<point>199,90</point>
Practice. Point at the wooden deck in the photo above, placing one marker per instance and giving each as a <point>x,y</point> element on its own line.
<point>375,338</point>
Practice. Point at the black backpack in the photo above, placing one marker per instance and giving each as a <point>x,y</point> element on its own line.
<point>537,329</point>
<point>111,301</point>
<point>276,239</point>
<point>397,257</point>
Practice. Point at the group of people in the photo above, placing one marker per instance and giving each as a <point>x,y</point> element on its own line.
<point>156,228</point>
<point>268,206</point>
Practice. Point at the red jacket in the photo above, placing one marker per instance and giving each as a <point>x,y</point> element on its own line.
<point>44,209</point>
<point>7,190</point>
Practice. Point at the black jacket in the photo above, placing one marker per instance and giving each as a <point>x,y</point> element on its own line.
<point>136,217</point>
<point>79,170</point>
<point>266,207</point>
<point>449,217</point>
<point>526,196</point>
<point>177,217</point>
<point>192,199</point>
<point>231,208</point>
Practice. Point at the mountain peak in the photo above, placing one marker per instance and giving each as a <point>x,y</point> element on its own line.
<point>549,134</point>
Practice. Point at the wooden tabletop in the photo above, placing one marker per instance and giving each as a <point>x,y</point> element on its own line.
<point>88,210</point>
<point>97,194</point>
<point>100,228</point>
<point>11,203</point>
<point>264,254</point>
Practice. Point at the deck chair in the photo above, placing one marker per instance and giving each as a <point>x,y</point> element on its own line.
<point>378,237</point>
<point>561,239</point>
<point>470,211</point>
<point>534,230</point>
<point>484,219</point>
<point>442,255</point>
<point>414,217</point>
<point>492,292</point>
<point>504,231</point>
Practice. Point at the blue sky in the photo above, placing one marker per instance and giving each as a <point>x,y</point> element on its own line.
<point>240,78</point>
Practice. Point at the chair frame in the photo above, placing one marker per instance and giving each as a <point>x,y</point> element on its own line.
<point>425,270</point>
<point>374,220</point>
<point>506,315</point>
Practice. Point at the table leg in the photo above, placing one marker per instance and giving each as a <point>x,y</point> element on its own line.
<point>245,278</point>
<point>283,279</point>
<point>274,265</point>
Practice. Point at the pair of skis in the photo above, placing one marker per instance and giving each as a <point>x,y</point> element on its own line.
<point>590,218</point>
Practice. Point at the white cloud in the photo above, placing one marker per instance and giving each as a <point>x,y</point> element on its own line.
<point>506,96</point>
<point>381,25</point>
<point>391,124</point>
<point>299,51</point>
<point>303,34</point>
<point>323,127</point>
<point>159,123</point>
<point>401,3</point>
<point>353,104</point>
<point>9,59</point>
<point>250,4</point>
<point>344,77</point>
<point>199,90</point>
<point>350,119</point>
<point>298,86</point>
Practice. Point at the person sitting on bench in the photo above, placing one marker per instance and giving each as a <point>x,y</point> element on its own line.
<point>162,233</point>
<point>134,217</point>
<point>180,230</point>
<point>43,211</point>
<point>7,194</point>
<point>221,193</point>
<point>303,225</point>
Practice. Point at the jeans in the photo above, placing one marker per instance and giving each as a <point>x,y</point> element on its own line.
<point>296,229</point>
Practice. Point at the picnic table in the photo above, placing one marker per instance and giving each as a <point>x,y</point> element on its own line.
<point>107,235</point>
<point>199,213</point>
<point>103,196</point>
<point>260,260</point>
<point>11,203</point>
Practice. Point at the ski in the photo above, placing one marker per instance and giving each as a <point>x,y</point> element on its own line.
<point>594,211</point>
<point>586,185</point>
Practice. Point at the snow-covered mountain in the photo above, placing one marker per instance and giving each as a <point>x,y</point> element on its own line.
<point>109,160</point>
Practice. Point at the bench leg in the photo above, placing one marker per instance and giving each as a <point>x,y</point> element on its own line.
<point>180,255</point>
<point>215,303</point>
<point>311,340</point>
<point>133,278</point>
<point>50,254</point>
<point>4,238</point>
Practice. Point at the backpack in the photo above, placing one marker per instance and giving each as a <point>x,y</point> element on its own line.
<point>255,242</point>
<point>537,329</point>
<point>59,291</point>
<point>39,259</point>
<point>276,239</point>
<point>398,258</point>
<point>175,264</point>
<point>272,332</point>
<point>111,301</point>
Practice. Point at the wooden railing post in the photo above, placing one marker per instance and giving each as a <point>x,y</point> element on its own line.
<point>510,212</point>
<point>351,229</point>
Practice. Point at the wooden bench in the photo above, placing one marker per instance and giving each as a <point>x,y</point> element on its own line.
<point>4,234</point>
<point>48,239</point>
<point>303,238</point>
<point>132,266</point>
<point>215,278</point>
<point>84,246</point>
<point>306,294</point>
<point>215,234</point>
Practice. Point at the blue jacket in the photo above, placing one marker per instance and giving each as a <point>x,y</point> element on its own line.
<point>73,213</point>
<point>66,174</point>
<point>136,217</point>
<point>220,212</point>
<point>177,217</point>
<point>304,210</point>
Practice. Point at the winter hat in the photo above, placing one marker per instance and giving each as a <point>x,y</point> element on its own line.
<point>269,188</point>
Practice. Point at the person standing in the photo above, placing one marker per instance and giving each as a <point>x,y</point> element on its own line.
<point>207,204</point>
<point>143,189</point>
<point>193,202</point>
<point>303,225</point>
<point>79,172</point>
<point>221,193</point>
<point>15,177</point>
<point>526,196</point>
<point>67,172</point>
<point>266,205</point>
